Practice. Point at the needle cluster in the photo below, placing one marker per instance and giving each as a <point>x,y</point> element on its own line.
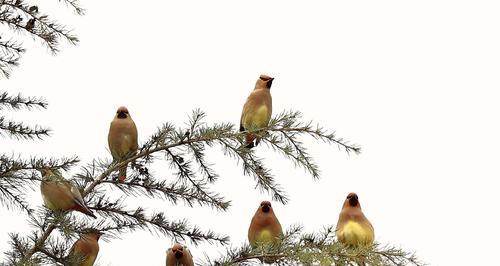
<point>20,130</point>
<point>299,248</point>
<point>22,18</point>
<point>189,182</point>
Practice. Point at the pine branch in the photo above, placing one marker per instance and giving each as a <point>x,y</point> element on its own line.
<point>49,31</point>
<point>321,248</point>
<point>184,151</point>
<point>289,123</point>
<point>75,5</point>
<point>19,250</point>
<point>19,102</point>
<point>23,18</point>
<point>170,191</point>
<point>10,53</point>
<point>19,130</point>
<point>137,219</point>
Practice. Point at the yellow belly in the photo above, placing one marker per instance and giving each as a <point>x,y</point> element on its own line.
<point>257,119</point>
<point>265,236</point>
<point>354,234</point>
<point>89,261</point>
<point>126,145</point>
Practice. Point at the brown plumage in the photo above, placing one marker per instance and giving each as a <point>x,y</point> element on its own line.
<point>122,138</point>
<point>60,194</point>
<point>257,109</point>
<point>265,227</point>
<point>353,228</point>
<point>179,255</point>
<point>85,249</point>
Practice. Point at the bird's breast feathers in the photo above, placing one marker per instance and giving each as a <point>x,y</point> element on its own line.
<point>126,143</point>
<point>122,145</point>
<point>259,117</point>
<point>354,233</point>
<point>265,236</point>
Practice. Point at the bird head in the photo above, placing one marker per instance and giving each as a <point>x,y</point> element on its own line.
<point>265,206</point>
<point>353,200</point>
<point>93,233</point>
<point>122,112</point>
<point>178,250</point>
<point>264,81</point>
<point>49,174</point>
<point>45,172</point>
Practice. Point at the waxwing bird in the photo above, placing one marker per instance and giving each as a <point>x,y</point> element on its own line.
<point>257,109</point>
<point>179,255</point>
<point>60,194</point>
<point>353,228</point>
<point>122,138</point>
<point>84,251</point>
<point>265,227</point>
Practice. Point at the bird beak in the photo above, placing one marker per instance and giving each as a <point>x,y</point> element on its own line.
<point>122,115</point>
<point>269,83</point>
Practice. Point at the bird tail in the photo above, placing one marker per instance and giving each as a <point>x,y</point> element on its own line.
<point>249,138</point>
<point>122,174</point>
<point>85,210</point>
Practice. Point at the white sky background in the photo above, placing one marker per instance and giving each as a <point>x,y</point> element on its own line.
<point>414,83</point>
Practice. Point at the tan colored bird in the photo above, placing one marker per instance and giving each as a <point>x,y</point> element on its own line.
<point>265,227</point>
<point>179,255</point>
<point>122,138</point>
<point>257,109</point>
<point>353,228</point>
<point>60,194</point>
<point>85,249</point>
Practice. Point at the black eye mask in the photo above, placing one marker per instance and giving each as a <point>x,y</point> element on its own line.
<point>353,201</point>
<point>122,115</point>
<point>269,83</point>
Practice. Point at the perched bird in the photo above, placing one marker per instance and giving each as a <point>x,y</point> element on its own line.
<point>122,138</point>
<point>265,227</point>
<point>353,228</point>
<point>179,255</point>
<point>84,251</point>
<point>257,109</point>
<point>60,194</point>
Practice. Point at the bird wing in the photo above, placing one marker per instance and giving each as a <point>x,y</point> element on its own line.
<point>245,111</point>
<point>75,194</point>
